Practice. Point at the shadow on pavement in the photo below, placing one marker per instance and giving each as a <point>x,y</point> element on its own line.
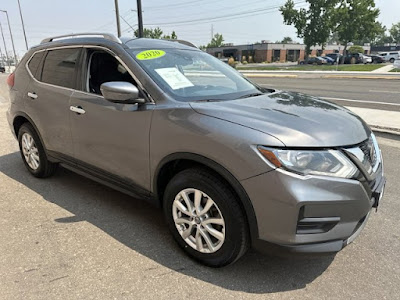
<point>141,227</point>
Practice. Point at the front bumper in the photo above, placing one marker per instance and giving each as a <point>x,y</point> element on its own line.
<point>310,213</point>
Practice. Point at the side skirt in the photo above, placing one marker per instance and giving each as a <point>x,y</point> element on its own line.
<point>105,178</point>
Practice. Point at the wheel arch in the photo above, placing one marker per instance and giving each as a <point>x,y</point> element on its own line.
<point>21,118</point>
<point>176,162</point>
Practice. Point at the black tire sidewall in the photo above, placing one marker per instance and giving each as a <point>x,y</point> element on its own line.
<point>219,193</point>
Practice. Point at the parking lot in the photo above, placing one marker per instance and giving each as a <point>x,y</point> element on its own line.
<point>68,237</point>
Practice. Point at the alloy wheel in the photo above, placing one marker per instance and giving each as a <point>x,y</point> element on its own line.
<point>198,220</point>
<point>30,151</point>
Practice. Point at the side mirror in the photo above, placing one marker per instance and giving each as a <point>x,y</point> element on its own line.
<point>121,92</point>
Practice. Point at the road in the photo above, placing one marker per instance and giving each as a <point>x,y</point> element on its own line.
<point>368,91</point>
<point>68,237</point>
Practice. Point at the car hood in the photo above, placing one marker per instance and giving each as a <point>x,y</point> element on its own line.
<point>297,120</point>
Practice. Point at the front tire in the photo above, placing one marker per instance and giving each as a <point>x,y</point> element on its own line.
<point>204,216</point>
<point>33,153</point>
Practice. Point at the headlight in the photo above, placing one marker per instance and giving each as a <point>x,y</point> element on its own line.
<point>320,162</point>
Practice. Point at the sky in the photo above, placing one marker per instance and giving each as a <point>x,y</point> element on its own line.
<point>240,22</point>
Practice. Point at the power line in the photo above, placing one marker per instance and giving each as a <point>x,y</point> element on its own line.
<point>248,13</point>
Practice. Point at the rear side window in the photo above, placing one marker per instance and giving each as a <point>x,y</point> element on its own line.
<point>34,63</point>
<point>59,67</point>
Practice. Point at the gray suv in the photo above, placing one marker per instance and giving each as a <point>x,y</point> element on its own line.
<point>232,164</point>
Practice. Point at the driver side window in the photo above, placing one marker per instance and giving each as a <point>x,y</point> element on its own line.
<point>103,67</point>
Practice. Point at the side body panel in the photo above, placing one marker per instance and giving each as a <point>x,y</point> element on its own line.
<point>112,137</point>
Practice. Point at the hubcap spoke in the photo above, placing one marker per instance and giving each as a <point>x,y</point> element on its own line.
<point>199,242</point>
<point>207,207</point>
<point>186,233</point>
<point>215,233</point>
<point>217,221</point>
<point>207,239</point>
<point>188,203</point>
<point>197,201</point>
<point>182,208</point>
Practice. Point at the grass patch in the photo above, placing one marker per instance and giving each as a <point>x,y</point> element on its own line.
<point>395,70</point>
<point>351,68</point>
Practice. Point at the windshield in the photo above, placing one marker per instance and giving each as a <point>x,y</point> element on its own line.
<point>191,75</point>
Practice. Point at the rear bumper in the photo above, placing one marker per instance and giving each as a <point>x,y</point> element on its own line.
<point>309,214</point>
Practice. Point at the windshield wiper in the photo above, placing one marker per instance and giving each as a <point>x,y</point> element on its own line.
<point>250,95</point>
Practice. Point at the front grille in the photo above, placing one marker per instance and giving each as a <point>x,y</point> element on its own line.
<point>369,151</point>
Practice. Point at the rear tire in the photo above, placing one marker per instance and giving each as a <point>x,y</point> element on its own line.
<point>226,228</point>
<point>391,60</point>
<point>33,153</point>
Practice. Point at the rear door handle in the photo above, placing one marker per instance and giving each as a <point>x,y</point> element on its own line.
<point>77,109</point>
<point>32,95</point>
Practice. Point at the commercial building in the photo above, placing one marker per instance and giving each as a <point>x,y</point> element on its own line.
<point>273,52</point>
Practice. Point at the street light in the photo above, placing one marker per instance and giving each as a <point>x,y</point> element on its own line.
<point>12,40</point>
<point>5,46</point>
<point>23,26</point>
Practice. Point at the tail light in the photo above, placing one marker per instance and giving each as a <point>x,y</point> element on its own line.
<point>10,80</point>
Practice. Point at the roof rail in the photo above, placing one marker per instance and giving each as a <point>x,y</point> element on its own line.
<point>106,36</point>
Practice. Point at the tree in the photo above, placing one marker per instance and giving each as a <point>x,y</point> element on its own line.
<point>355,20</point>
<point>287,40</point>
<point>216,41</point>
<point>173,36</point>
<point>356,49</point>
<point>395,33</point>
<point>155,33</point>
<point>313,24</point>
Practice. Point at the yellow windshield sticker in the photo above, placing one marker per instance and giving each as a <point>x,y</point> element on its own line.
<point>150,54</point>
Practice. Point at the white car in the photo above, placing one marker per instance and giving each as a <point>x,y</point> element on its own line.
<point>367,59</point>
<point>390,56</point>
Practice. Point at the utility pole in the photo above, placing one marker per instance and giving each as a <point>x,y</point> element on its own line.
<point>5,47</point>
<point>23,26</point>
<point>12,39</point>
<point>117,16</point>
<point>140,18</point>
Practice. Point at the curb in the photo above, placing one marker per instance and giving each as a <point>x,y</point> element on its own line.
<point>361,77</point>
<point>394,131</point>
<point>269,75</point>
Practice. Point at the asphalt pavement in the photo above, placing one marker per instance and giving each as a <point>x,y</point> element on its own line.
<point>67,237</point>
<point>380,94</point>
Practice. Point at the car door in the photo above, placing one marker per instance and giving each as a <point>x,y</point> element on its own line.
<point>47,96</point>
<point>110,139</point>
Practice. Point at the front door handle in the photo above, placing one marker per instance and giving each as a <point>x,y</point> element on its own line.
<point>32,95</point>
<point>77,109</point>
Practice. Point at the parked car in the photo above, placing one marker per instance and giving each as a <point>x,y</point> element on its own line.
<point>2,69</point>
<point>335,56</point>
<point>232,164</point>
<point>313,61</point>
<point>329,60</point>
<point>377,59</point>
<point>390,56</point>
<point>357,58</point>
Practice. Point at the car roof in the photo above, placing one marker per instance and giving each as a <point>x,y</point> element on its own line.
<point>106,39</point>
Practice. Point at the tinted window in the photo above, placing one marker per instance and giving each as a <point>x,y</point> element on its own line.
<point>34,64</point>
<point>192,75</point>
<point>59,67</point>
